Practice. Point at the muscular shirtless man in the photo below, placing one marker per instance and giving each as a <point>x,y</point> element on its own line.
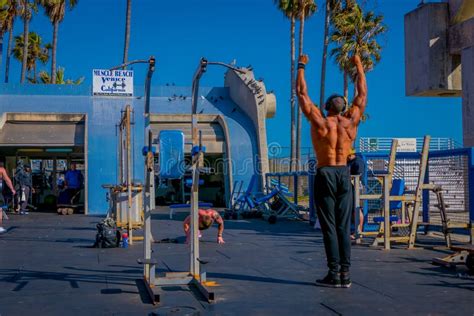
<point>4,177</point>
<point>332,138</point>
<point>206,219</point>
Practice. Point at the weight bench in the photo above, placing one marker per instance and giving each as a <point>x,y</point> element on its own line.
<point>183,206</point>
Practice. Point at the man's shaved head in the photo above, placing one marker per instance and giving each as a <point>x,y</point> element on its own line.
<point>336,103</point>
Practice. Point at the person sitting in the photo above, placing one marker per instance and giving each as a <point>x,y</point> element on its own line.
<point>206,219</point>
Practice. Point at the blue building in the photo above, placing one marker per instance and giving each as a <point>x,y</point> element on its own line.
<point>51,126</point>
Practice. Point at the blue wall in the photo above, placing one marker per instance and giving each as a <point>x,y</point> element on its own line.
<point>103,114</point>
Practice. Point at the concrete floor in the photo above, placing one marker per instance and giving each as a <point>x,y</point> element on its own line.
<point>47,268</point>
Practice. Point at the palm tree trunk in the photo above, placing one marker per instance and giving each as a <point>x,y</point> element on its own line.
<point>299,121</point>
<point>127,31</point>
<point>53,53</point>
<point>346,85</point>
<point>325,55</point>
<point>292,97</point>
<point>26,26</point>
<point>9,53</point>
<point>1,48</point>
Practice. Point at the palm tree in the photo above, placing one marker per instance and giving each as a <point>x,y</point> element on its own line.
<point>3,14</point>
<point>8,13</point>
<point>55,10</point>
<point>305,9</point>
<point>356,33</point>
<point>127,30</point>
<point>36,51</point>
<point>26,9</point>
<point>331,8</point>
<point>289,10</point>
<point>46,78</point>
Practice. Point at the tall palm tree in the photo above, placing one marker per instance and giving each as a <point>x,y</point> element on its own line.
<point>289,8</point>
<point>331,8</point>
<point>46,78</point>
<point>356,33</point>
<point>8,17</point>
<point>127,30</point>
<point>3,14</point>
<point>26,12</point>
<point>305,9</point>
<point>36,52</point>
<point>55,10</point>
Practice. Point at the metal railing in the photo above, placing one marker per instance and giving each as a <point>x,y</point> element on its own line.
<point>377,144</point>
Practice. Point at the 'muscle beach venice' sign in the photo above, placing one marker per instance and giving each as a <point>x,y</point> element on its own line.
<point>112,82</point>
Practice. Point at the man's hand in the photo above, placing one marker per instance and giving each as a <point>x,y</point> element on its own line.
<point>13,192</point>
<point>304,59</point>
<point>220,240</point>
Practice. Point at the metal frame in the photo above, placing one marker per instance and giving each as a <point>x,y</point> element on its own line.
<point>125,125</point>
<point>385,235</point>
<point>193,277</point>
<point>419,196</point>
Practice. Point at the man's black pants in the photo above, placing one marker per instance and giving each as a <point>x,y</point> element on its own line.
<point>333,195</point>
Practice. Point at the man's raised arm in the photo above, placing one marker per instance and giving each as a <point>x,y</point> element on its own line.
<point>358,105</point>
<point>307,107</point>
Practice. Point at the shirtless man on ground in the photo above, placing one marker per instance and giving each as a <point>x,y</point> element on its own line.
<point>4,177</point>
<point>332,138</point>
<point>206,219</point>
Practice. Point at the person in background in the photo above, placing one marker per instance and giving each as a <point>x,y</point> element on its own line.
<point>4,178</point>
<point>206,219</point>
<point>73,182</point>
<point>356,167</point>
<point>24,184</point>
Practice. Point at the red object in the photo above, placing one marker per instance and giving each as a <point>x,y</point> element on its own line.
<point>124,235</point>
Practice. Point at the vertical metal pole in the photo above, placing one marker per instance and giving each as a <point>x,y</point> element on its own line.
<point>129,174</point>
<point>295,188</point>
<point>386,211</point>
<point>196,159</point>
<point>470,156</point>
<point>120,149</point>
<point>148,269</point>
<point>55,176</point>
<point>356,201</point>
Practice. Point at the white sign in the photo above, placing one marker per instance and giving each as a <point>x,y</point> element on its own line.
<point>112,82</point>
<point>406,145</point>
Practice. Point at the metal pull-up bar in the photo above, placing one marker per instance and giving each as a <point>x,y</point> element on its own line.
<point>196,162</point>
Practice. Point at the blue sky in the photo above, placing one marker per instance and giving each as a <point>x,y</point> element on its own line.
<point>253,32</point>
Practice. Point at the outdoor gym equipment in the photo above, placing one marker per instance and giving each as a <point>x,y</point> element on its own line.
<point>193,277</point>
<point>125,198</point>
<point>271,206</point>
<point>412,201</point>
<point>68,207</point>
<point>462,255</point>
